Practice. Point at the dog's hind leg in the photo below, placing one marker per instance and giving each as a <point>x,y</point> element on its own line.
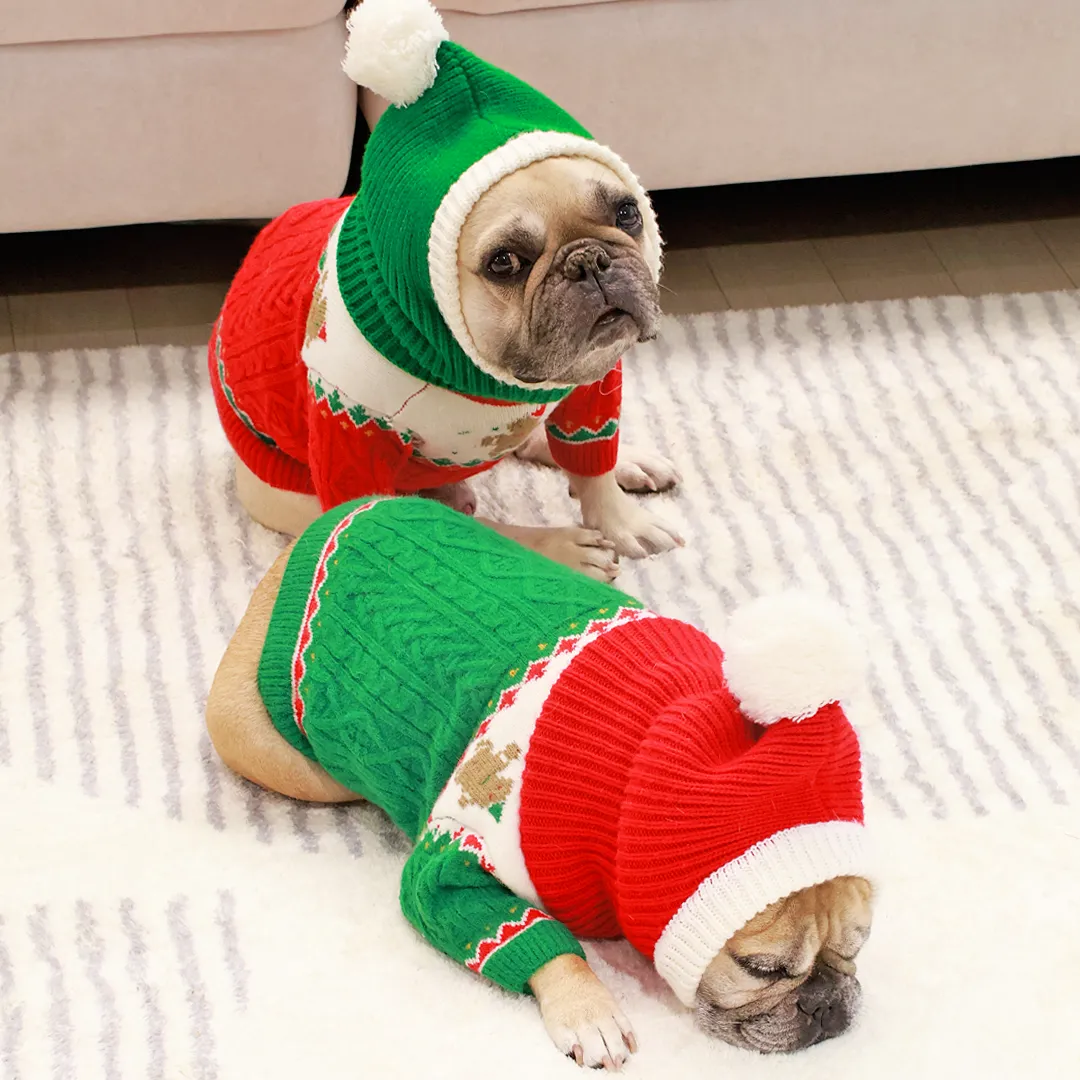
<point>236,718</point>
<point>288,512</point>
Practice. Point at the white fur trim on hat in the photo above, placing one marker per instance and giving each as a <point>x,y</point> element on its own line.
<point>517,153</point>
<point>788,655</point>
<point>729,898</point>
<point>392,46</point>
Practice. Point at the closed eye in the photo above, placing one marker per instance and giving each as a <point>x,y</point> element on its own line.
<point>762,966</point>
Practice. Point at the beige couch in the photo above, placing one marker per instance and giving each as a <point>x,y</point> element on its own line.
<point>696,92</point>
<point>141,110</point>
<point>118,111</point>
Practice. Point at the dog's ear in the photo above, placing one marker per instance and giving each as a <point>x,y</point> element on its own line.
<point>850,912</point>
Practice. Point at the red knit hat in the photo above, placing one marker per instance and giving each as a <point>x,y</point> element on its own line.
<point>673,792</point>
<point>751,816</point>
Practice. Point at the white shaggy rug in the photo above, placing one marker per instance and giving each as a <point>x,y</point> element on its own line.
<point>161,920</point>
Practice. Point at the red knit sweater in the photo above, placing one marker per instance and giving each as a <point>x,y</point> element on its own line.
<point>299,432</point>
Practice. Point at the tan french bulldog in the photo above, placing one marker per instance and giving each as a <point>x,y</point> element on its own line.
<point>472,302</point>
<point>777,977</point>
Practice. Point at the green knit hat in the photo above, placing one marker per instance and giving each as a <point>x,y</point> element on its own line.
<point>459,125</point>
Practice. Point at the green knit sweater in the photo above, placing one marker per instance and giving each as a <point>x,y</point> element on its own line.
<point>397,625</point>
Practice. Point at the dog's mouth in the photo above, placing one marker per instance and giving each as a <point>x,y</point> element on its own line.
<point>611,317</point>
<point>802,1019</point>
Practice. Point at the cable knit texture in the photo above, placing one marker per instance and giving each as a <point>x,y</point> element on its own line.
<point>398,626</point>
<point>560,754</point>
<point>415,615</point>
<point>260,382</point>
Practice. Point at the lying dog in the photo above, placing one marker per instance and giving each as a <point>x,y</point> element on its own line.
<point>569,765</point>
<point>472,302</point>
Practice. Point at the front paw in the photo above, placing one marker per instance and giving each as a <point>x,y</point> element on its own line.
<point>585,1022</point>
<point>635,531</point>
<point>584,550</point>
<point>638,471</point>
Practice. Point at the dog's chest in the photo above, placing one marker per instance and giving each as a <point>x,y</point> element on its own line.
<point>450,429</point>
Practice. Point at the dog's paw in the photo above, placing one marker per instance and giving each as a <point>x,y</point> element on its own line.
<point>585,550</point>
<point>640,472</point>
<point>635,530</point>
<point>586,1024</point>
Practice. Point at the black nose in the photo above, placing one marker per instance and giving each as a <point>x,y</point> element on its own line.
<point>589,260</point>
<point>829,1018</point>
<point>825,1007</point>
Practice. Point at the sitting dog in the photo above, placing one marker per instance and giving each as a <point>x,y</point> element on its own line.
<point>474,297</point>
<point>569,764</point>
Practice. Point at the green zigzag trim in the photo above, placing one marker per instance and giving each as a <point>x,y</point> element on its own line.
<point>584,434</point>
<point>356,413</point>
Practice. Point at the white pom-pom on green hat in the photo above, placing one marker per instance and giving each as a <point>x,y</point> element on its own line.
<point>392,48</point>
<point>789,654</point>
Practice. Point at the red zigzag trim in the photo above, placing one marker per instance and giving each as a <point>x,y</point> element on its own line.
<point>506,933</point>
<point>311,609</point>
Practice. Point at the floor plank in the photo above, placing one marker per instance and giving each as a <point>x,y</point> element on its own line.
<point>7,339</point>
<point>772,275</point>
<point>884,266</point>
<point>89,318</point>
<point>157,306</point>
<point>998,259</point>
<point>688,286</point>
<point>1062,237</point>
<point>196,334</point>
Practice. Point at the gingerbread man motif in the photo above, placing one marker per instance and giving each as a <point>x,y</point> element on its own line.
<point>479,775</point>
<point>316,319</point>
<point>511,438</point>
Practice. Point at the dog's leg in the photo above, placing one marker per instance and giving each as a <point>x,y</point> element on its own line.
<point>459,496</point>
<point>288,512</point>
<point>636,470</point>
<point>236,718</point>
<point>584,550</point>
<point>580,1014</point>
<point>634,530</point>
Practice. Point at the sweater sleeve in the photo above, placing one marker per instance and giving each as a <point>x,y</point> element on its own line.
<point>450,895</point>
<point>351,453</point>
<point>583,431</point>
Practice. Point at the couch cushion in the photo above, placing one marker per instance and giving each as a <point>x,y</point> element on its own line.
<point>499,7</point>
<point>23,21</point>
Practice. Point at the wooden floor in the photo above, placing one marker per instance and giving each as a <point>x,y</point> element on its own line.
<point>1013,228</point>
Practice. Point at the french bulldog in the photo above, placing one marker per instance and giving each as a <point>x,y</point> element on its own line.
<point>622,796</point>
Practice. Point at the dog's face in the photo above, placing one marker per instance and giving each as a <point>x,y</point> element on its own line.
<point>553,280</point>
<point>786,980</point>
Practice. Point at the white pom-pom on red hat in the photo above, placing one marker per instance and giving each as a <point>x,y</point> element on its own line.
<point>789,654</point>
<point>392,47</point>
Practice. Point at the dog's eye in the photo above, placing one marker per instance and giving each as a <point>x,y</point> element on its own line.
<point>762,967</point>
<point>504,265</point>
<point>628,216</point>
